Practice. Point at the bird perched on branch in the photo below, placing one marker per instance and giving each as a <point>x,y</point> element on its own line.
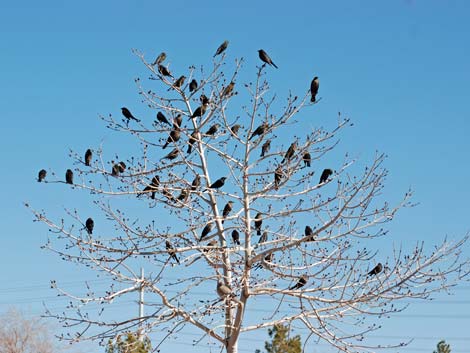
<point>221,48</point>
<point>265,148</point>
<point>178,83</point>
<point>376,270</point>
<point>290,152</point>
<point>196,182</point>
<point>203,99</point>
<point>228,90</point>
<point>314,85</point>
<point>225,292</point>
<point>200,111</point>
<point>227,209</point>
<point>265,58</point>
<point>183,196</point>
<point>164,71</point>
<point>325,175</point>
<point>171,251</point>
<point>192,139</point>
<point>235,129</point>
<point>258,222</point>
<point>42,175</point>
<point>174,137</point>
<point>236,237</point>
<point>206,230</point>
<point>213,129</point>
<point>177,121</point>
<point>162,118</point>
<point>211,245</point>
<point>218,183</point>
<point>263,238</point>
<point>152,188</point>
<point>69,176</point>
<point>278,173</point>
<point>89,225</point>
<point>128,115</point>
<point>88,157</point>
<point>309,233</point>
<point>160,58</point>
<point>300,283</point>
<point>172,155</point>
<point>192,85</point>
<point>260,130</point>
<point>307,158</point>
<point>118,168</point>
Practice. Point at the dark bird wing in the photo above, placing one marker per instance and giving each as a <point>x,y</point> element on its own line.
<point>221,48</point>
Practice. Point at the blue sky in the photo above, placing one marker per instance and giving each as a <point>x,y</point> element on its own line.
<point>399,69</point>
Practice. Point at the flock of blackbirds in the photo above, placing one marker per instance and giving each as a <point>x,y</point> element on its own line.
<point>175,136</point>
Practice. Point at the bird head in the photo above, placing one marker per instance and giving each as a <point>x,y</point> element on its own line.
<point>223,178</point>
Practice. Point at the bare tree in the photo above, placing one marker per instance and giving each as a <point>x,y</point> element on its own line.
<point>19,334</point>
<point>295,234</point>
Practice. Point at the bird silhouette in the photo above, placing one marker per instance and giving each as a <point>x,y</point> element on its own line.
<point>213,129</point>
<point>174,137</point>
<point>200,111</point>
<point>307,158</point>
<point>42,175</point>
<point>88,157</point>
<point>218,183</point>
<point>258,222</point>
<point>196,182</point>
<point>325,175</point>
<point>228,90</point>
<point>178,83</point>
<point>290,152</point>
<point>265,148</point>
<point>309,233</point>
<point>211,245</point>
<point>278,173</point>
<point>236,237</point>
<point>260,130</point>
<point>183,196</point>
<point>162,118</point>
<point>206,230</point>
<point>227,209</point>
<point>263,238</point>
<point>314,85</point>
<point>177,121</point>
<point>163,70</point>
<point>376,270</point>
<point>192,139</point>
<point>221,48</point>
<point>171,251</point>
<point>300,283</point>
<point>128,115</point>
<point>160,58</point>
<point>118,168</point>
<point>235,129</point>
<point>203,99</point>
<point>69,176</point>
<point>89,225</point>
<point>192,85</point>
<point>265,58</point>
<point>172,155</point>
<point>152,188</point>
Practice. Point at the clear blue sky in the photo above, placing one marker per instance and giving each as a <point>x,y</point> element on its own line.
<point>400,69</point>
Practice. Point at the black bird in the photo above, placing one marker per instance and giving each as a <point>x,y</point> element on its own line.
<point>177,121</point>
<point>236,237</point>
<point>42,175</point>
<point>278,173</point>
<point>309,233</point>
<point>260,130</point>
<point>168,194</point>
<point>314,85</point>
<point>265,58</point>
<point>267,258</point>
<point>300,283</point>
<point>228,90</point>
<point>183,196</point>
<point>204,100</point>
<point>164,71</point>
<point>258,223</point>
<point>179,82</point>
<point>221,48</point>
<point>128,115</point>
<point>174,137</point>
<point>69,176</point>
<point>213,129</point>
<point>89,225</point>
<point>307,158</point>
<point>325,175</point>
<point>263,238</point>
<point>171,251</point>
<point>162,118</point>
<point>235,129</point>
<point>152,188</point>
<point>88,156</point>
<point>227,209</point>
<point>200,111</point>
<point>160,58</point>
<point>218,183</point>
<point>196,182</point>
<point>191,141</point>
<point>193,85</point>
<point>376,270</point>
<point>290,152</point>
<point>212,244</point>
<point>172,155</point>
<point>265,148</point>
<point>118,168</point>
<point>206,230</point>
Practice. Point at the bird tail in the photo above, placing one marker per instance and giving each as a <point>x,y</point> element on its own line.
<point>190,149</point>
<point>313,99</point>
<point>274,65</point>
<point>165,145</point>
<point>258,232</point>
